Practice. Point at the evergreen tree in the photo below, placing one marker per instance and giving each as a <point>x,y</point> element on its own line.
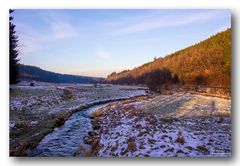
<point>13,51</point>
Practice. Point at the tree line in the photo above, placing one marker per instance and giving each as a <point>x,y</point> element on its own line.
<point>154,79</point>
<point>27,72</point>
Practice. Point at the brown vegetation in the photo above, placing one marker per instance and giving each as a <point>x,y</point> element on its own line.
<point>67,94</point>
<point>206,63</point>
<point>180,139</point>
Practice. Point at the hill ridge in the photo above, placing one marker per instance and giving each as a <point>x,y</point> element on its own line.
<point>28,72</point>
<point>207,62</point>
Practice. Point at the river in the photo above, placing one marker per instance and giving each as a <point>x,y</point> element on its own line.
<point>66,140</point>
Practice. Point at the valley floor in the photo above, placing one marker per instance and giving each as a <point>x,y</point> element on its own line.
<point>182,124</point>
<point>154,125</point>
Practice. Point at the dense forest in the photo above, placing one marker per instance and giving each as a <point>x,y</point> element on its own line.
<point>206,63</point>
<point>27,72</point>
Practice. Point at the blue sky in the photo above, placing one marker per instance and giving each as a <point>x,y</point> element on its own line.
<point>98,42</point>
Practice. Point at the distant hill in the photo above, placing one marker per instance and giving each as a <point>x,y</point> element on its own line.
<point>207,63</point>
<point>27,72</point>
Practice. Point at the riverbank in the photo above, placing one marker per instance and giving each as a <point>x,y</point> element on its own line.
<point>35,111</point>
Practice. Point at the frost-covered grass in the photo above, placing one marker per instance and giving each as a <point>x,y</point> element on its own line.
<point>37,110</point>
<point>178,125</point>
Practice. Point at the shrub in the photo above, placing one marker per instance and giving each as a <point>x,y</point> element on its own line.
<point>180,139</point>
<point>67,94</point>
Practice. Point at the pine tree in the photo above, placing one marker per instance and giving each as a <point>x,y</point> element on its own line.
<point>13,51</point>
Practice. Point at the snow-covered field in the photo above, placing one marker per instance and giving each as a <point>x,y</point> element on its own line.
<point>157,125</point>
<point>48,97</point>
<point>182,124</point>
<point>37,110</point>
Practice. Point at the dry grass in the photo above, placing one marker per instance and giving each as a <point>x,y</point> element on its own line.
<point>131,146</point>
<point>30,136</point>
<point>28,143</point>
<point>67,94</point>
<point>83,152</point>
<point>97,113</point>
<point>169,150</point>
<point>202,148</point>
<point>180,139</point>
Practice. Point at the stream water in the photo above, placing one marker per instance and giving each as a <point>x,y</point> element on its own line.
<point>66,140</point>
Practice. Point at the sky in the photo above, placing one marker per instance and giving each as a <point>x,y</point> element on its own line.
<point>99,42</point>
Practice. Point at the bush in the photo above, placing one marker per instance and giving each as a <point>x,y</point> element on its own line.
<point>32,84</point>
<point>180,139</point>
<point>67,94</point>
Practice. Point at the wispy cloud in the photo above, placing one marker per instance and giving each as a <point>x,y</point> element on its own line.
<point>30,39</point>
<point>62,30</point>
<point>172,20</point>
<point>60,25</point>
<point>103,54</point>
<point>33,39</point>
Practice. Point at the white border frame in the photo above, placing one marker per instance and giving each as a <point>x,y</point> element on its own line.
<point>233,5</point>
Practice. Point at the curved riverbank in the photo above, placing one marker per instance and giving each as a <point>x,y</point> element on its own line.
<point>37,111</point>
<point>68,136</point>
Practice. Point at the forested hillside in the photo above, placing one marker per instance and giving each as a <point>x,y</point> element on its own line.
<point>35,73</point>
<point>205,63</point>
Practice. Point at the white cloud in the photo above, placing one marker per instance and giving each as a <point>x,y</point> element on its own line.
<point>60,25</point>
<point>29,45</point>
<point>62,30</point>
<point>159,21</point>
<point>29,38</point>
<point>33,39</point>
<point>103,54</point>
